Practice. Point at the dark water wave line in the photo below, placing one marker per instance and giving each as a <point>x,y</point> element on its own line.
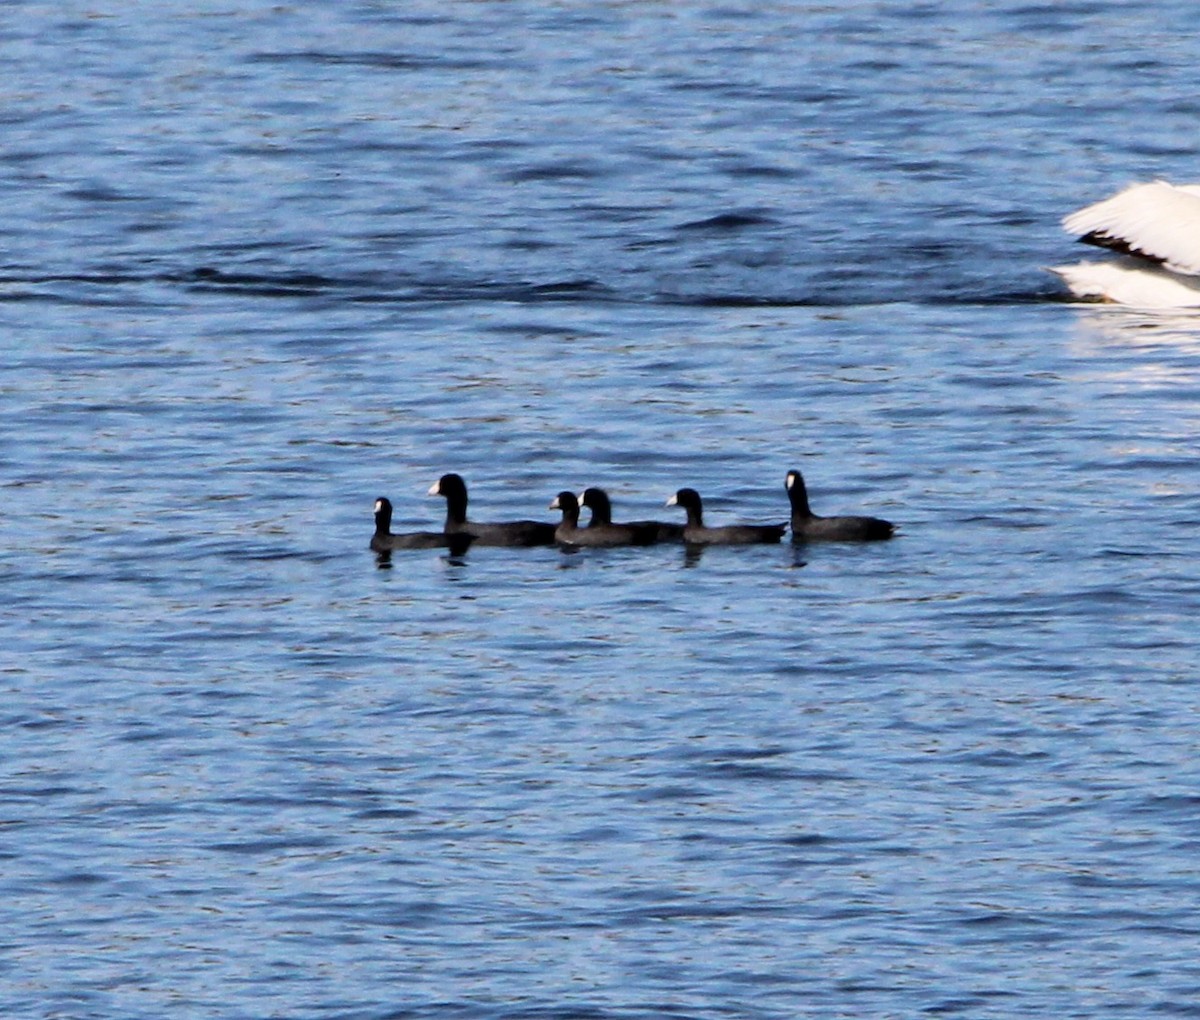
<point>379,60</point>
<point>733,300</point>
<point>379,289</point>
<point>303,284</point>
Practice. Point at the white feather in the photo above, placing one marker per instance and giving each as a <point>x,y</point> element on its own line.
<point>1130,281</point>
<point>1159,224</point>
<point>1162,220</point>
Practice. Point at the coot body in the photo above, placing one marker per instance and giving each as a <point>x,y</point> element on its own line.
<point>696,533</point>
<point>810,527</point>
<point>604,531</point>
<point>518,533</point>
<point>384,541</point>
<point>569,532</point>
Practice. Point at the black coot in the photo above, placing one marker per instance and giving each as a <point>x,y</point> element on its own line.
<point>523,533</point>
<point>384,541</point>
<point>568,531</point>
<point>603,531</point>
<point>810,527</point>
<point>695,532</point>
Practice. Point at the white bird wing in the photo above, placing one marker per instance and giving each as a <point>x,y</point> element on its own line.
<point>1130,282</point>
<point>1157,221</point>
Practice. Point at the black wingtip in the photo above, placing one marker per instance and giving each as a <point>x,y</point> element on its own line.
<point>1103,239</point>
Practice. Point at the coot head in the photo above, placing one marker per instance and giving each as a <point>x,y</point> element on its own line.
<point>383,514</point>
<point>565,501</point>
<point>689,499</point>
<point>448,486</point>
<point>454,489</point>
<point>569,505</point>
<point>598,502</point>
<point>797,492</point>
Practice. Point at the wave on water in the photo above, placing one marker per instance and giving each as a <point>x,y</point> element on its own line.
<point>95,287</point>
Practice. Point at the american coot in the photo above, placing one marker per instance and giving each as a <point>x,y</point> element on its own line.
<point>1157,228</point>
<point>384,541</point>
<point>630,533</point>
<point>570,533</point>
<point>568,529</point>
<point>809,527</point>
<point>695,532</point>
<point>523,533</point>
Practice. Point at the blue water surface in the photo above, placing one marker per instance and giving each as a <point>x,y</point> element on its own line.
<point>261,264</point>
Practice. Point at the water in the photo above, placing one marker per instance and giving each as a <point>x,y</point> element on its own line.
<point>263,264</point>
